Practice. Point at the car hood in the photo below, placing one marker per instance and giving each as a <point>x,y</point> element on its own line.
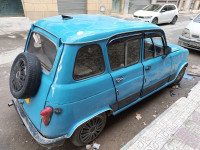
<point>175,48</point>
<point>145,13</point>
<point>194,27</point>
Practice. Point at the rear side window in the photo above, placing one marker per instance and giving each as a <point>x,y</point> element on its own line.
<point>123,54</point>
<point>116,55</point>
<point>43,48</point>
<point>89,62</point>
<point>171,7</point>
<point>133,51</point>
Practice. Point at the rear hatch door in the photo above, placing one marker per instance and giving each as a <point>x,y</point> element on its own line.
<point>45,47</point>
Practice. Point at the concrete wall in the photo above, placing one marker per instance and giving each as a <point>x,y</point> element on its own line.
<point>38,9</point>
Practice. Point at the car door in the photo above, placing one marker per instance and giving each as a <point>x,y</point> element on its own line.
<point>171,13</point>
<point>156,67</point>
<point>164,15</point>
<point>126,69</point>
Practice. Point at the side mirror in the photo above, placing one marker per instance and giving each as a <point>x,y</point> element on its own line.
<point>167,52</point>
<point>162,11</point>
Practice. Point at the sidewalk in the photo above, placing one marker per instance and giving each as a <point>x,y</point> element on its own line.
<point>178,128</point>
<point>8,25</point>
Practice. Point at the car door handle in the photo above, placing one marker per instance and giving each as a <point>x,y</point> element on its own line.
<point>119,79</point>
<point>148,68</point>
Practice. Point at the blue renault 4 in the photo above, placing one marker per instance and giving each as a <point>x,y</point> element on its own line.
<point>77,70</point>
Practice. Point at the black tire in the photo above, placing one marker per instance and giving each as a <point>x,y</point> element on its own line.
<point>89,131</point>
<point>174,20</point>
<point>155,21</point>
<point>25,76</point>
<point>180,76</point>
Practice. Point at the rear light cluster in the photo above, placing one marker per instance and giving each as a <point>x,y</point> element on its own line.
<point>46,114</point>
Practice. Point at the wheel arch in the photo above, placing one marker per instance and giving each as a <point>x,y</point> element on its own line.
<point>107,110</point>
<point>185,64</point>
<point>156,18</point>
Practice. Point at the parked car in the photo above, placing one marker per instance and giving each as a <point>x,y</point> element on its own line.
<point>77,70</point>
<point>158,13</point>
<point>190,37</point>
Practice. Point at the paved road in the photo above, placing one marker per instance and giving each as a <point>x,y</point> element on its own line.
<point>119,129</point>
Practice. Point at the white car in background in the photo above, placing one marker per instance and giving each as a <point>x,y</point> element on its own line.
<point>158,13</point>
<point>190,37</point>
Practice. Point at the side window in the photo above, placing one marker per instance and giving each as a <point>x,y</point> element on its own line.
<point>124,54</point>
<point>133,51</point>
<point>148,48</point>
<point>153,47</point>
<point>158,45</point>
<point>116,55</point>
<point>89,62</point>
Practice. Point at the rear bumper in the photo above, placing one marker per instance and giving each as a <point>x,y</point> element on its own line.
<point>189,43</point>
<point>46,142</point>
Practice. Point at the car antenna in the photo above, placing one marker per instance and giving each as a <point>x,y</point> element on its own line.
<point>66,17</point>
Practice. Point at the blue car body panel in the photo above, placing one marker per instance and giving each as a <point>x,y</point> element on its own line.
<point>87,28</point>
<point>80,100</point>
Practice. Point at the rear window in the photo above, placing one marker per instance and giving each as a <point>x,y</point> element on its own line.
<point>43,48</point>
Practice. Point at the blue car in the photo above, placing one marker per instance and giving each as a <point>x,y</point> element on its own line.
<point>77,70</point>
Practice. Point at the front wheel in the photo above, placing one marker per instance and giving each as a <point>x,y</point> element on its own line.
<point>155,21</point>
<point>89,131</point>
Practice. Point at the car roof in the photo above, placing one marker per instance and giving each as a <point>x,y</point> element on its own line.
<point>88,28</point>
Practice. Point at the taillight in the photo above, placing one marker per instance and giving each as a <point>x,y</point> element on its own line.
<point>46,114</point>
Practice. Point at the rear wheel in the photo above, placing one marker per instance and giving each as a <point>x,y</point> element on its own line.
<point>155,21</point>
<point>174,20</point>
<point>89,131</point>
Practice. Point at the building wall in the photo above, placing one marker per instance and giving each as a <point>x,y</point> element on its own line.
<point>93,7</point>
<point>38,9</point>
<point>196,4</point>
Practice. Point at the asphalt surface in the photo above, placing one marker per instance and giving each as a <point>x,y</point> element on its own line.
<point>119,129</point>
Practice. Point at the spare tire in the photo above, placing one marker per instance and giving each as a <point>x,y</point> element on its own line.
<point>25,75</point>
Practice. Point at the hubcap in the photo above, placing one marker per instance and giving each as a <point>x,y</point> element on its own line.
<point>19,75</point>
<point>91,130</point>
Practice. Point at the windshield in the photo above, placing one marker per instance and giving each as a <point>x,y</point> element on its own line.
<point>197,19</point>
<point>152,7</point>
<point>43,48</point>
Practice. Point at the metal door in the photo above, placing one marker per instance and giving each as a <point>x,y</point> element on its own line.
<point>72,7</point>
<point>128,78</point>
<point>156,68</point>
<point>11,8</point>
<point>135,5</point>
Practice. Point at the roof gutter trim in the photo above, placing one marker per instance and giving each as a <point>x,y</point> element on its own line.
<point>94,40</point>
